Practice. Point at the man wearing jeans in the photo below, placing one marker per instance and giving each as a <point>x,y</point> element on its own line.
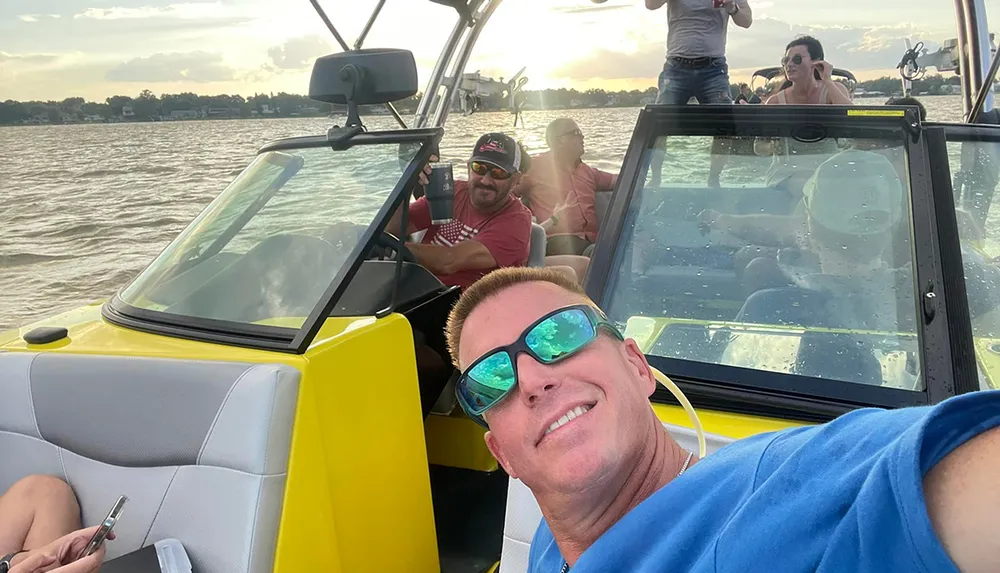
<point>696,59</point>
<point>696,49</point>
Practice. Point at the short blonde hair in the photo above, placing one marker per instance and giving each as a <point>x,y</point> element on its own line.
<point>491,285</point>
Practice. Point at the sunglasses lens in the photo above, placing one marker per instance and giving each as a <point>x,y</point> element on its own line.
<point>487,382</point>
<point>482,169</point>
<point>560,335</point>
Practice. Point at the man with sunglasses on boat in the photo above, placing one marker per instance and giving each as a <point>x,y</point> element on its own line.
<point>565,398</point>
<point>561,190</point>
<point>490,227</point>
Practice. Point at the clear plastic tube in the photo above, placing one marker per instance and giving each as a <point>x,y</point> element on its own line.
<point>669,385</point>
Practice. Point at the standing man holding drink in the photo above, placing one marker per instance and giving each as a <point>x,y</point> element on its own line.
<point>696,59</point>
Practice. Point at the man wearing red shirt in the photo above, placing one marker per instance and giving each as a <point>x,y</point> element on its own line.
<point>561,190</point>
<point>490,227</point>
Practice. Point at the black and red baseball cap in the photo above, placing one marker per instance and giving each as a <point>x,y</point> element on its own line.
<point>501,150</point>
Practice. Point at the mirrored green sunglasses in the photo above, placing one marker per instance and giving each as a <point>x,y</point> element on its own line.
<point>553,337</point>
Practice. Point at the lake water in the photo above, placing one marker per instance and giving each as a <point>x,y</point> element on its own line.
<point>83,208</point>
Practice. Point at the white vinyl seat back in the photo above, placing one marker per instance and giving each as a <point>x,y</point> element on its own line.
<point>536,252</point>
<point>200,448</point>
<point>523,514</point>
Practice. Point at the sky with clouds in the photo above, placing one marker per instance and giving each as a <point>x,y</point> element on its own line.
<point>52,49</point>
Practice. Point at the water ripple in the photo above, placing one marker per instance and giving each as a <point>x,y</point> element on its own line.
<point>83,208</point>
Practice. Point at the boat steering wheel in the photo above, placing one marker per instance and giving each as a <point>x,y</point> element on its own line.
<point>390,242</point>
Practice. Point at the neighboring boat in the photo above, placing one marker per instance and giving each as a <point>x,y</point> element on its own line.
<point>255,393</point>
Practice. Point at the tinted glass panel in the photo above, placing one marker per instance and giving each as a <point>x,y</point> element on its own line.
<point>774,254</point>
<point>975,166</point>
<point>269,246</point>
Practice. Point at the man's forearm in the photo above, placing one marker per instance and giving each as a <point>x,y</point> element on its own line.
<point>393,227</point>
<point>761,229</point>
<point>744,17</point>
<point>655,4</point>
<point>441,260</point>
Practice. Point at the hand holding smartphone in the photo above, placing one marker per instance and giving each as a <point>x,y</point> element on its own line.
<point>105,529</point>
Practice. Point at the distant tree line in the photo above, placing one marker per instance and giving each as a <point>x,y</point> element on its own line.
<point>930,85</point>
<point>147,106</point>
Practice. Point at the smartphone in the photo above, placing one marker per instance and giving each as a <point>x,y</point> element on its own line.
<point>102,532</point>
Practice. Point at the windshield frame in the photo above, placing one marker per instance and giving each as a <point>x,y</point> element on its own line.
<point>278,338</point>
<point>790,395</point>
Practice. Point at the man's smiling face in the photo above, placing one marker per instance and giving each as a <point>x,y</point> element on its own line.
<point>569,425</point>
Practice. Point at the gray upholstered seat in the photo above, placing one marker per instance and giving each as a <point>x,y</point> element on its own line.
<point>523,514</point>
<point>536,254</point>
<point>200,448</point>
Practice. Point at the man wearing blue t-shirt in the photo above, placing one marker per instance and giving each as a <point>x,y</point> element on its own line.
<point>565,399</point>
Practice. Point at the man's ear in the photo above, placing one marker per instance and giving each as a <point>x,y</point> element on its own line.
<point>494,447</point>
<point>640,367</point>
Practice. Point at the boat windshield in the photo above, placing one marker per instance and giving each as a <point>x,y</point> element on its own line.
<point>797,259</point>
<point>265,251</point>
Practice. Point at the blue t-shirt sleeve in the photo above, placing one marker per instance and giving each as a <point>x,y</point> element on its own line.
<point>848,495</point>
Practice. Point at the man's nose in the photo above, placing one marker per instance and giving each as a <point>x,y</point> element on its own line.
<point>534,380</point>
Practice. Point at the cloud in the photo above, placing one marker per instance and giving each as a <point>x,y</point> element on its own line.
<point>30,59</point>
<point>854,48</point>
<point>36,17</point>
<point>587,9</point>
<point>198,67</point>
<point>299,53</point>
<point>190,10</point>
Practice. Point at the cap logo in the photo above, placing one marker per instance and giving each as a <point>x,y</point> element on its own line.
<point>492,145</point>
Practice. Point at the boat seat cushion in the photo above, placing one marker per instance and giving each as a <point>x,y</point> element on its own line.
<point>199,447</point>
<point>536,250</point>
<point>523,514</point>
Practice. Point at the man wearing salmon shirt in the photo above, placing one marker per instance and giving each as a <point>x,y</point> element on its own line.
<point>561,191</point>
<point>490,228</point>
